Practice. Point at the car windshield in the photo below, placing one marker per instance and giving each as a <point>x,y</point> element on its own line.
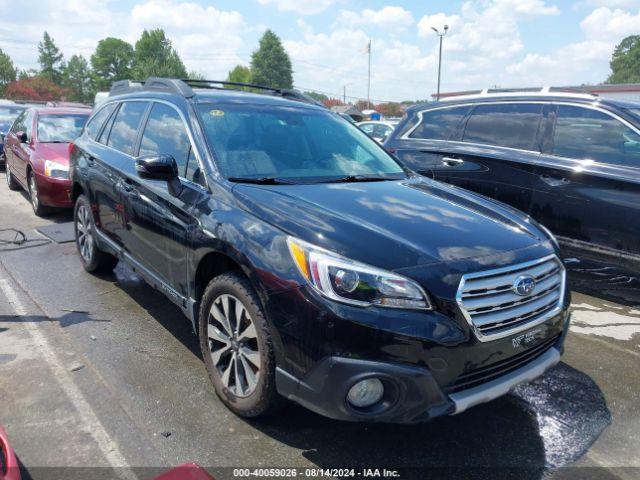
<point>296,144</point>
<point>635,112</point>
<point>7,116</point>
<point>60,128</point>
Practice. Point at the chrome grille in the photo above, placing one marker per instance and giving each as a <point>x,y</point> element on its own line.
<point>494,310</point>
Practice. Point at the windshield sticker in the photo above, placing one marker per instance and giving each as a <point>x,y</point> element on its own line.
<point>216,113</point>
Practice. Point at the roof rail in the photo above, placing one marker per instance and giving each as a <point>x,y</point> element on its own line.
<point>511,92</point>
<point>282,92</point>
<point>184,87</point>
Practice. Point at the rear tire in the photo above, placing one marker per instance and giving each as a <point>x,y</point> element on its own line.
<point>39,209</point>
<point>238,354</point>
<point>93,259</point>
<point>12,183</point>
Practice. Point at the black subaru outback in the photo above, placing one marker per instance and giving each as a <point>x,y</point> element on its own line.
<point>311,264</point>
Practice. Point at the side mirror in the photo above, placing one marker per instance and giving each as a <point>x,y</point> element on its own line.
<point>22,136</point>
<point>157,167</point>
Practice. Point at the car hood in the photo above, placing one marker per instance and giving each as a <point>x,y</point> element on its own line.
<point>392,224</point>
<point>56,152</point>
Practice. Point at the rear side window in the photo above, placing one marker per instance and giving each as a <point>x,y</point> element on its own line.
<point>166,134</point>
<point>504,125</point>
<point>18,125</point>
<point>586,134</point>
<point>125,127</point>
<point>439,124</point>
<point>95,124</point>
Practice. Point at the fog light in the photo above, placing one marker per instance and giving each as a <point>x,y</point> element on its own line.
<point>365,393</point>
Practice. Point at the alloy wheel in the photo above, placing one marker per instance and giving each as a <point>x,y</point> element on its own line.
<point>84,233</point>
<point>33,192</point>
<point>233,344</point>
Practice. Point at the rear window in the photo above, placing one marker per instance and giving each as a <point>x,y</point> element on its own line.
<point>96,122</point>
<point>124,131</point>
<point>60,128</point>
<point>7,116</point>
<point>504,125</point>
<point>439,124</point>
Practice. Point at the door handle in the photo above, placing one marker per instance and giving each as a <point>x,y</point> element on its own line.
<point>451,161</point>
<point>553,181</point>
<point>128,186</point>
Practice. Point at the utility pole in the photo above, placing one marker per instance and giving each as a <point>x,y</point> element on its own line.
<point>369,76</point>
<point>440,36</point>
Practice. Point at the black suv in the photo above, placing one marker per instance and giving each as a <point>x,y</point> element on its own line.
<point>311,264</point>
<point>570,160</point>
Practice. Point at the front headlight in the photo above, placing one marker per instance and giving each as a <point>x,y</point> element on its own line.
<point>348,281</point>
<point>55,170</point>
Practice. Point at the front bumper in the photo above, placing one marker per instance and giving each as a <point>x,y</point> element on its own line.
<point>54,192</point>
<point>430,363</point>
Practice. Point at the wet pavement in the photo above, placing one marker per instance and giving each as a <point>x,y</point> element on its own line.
<point>104,375</point>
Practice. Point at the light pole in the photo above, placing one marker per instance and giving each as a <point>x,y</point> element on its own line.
<point>440,35</point>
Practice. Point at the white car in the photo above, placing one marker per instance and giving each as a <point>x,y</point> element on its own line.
<point>376,129</point>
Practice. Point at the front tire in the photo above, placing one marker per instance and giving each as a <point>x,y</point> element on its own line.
<point>236,346</point>
<point>93,259</point>
<point>12,183</point>
<point>39,209</point>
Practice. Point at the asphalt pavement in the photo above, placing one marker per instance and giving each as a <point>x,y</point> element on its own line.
<point>101,377</point>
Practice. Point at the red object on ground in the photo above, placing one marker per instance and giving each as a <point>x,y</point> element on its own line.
<point>9,469</point>
<point>187,471</point>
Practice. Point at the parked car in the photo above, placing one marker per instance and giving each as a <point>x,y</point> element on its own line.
<point>9,111</point>
<point>37,152</point>
<point>376,129</point>
<point>571,161</point>
<point>310,262</point>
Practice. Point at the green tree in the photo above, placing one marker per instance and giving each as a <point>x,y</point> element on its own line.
<point>111,61</point>
<point>8,71</point>
<point>625,62</point>
<point>239,74</point>
<point>51,59</point>
<point>270,64</point>
<point>195,75</point>
<point>321,97</point>
<point>76,77</point>
<point>155,57</point>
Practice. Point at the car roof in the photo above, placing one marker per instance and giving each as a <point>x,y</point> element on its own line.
<point>62,110</point>
<point>556,97</point>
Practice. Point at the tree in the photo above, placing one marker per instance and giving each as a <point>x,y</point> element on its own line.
<point>270,64</point>
<point>111,61</point>
<point>390,109</point>
<point>155,57</point>
<point>36,88</point>
<point>625,61</point>
<point>76,77</point>
<point>239,74</point>
<point>8,71</point>
<point>321,97</point>
<point>332,102</point>
<point>195,75</point>
<point>50,58</point>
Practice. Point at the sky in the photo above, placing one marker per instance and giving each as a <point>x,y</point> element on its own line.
<point>504,43</point>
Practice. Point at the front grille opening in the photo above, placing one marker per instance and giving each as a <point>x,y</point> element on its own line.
<point>485,374</point>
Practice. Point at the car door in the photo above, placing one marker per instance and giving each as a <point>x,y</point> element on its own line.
<point>494,151</point>
<point>12,141</point>
<point>159,218</point>
<point>96,164</point>
<point>588,189</point>
<point>22,151</point>
<point>422,146</point>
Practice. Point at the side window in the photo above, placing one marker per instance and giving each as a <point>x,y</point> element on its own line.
<point>439,124</point>
<point>28,124</point>
<point>124,131</point>
<point>95,123</point>
<point>583,133</point>
<point>506,125</point>
<point>18,124</point>
<point>166,134</point>
<point>194,173</point>
<point>367,128</point>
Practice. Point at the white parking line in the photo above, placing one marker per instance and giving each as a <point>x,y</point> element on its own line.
<point>87,415</point>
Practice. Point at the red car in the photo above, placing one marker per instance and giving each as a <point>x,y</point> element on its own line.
<point>37,154</point>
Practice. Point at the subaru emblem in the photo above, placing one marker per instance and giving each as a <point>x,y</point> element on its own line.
<point>524,285</point>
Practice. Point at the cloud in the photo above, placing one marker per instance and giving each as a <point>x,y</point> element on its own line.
<point>386,17</point>
<point>302,7</point>
<point>605,23</point>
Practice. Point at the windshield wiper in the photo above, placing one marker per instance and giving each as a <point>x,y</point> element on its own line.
<point>262,180</point>
<point>363,178</point>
